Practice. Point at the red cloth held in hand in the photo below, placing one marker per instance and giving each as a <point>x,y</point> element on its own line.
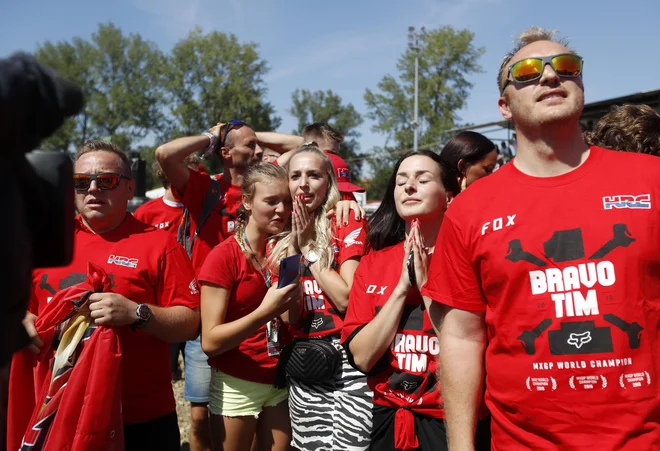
<point>79,409</point>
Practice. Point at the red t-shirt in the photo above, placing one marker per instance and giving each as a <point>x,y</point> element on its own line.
<point>219,225</point>
<point>162,214</point>
<point>227,267</point>
<point>408,371</point>
<point>567,269</point>
<point>319,317</point>
<point>147,266</point>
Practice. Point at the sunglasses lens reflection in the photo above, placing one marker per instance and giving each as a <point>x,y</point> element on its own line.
<point>567,65</point>
<point>103,181</point>
<point>527,70</point>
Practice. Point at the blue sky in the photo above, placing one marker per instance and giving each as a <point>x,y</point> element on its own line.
<point>347,46</point>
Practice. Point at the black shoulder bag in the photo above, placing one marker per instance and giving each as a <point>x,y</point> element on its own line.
<point>308,360</point>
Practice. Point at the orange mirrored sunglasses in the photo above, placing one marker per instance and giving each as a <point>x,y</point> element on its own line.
<point>568,65</point>
<point>104,180</point>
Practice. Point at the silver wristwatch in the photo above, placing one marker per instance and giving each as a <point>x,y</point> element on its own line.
<point>310,258</point>
<point>144,315</point>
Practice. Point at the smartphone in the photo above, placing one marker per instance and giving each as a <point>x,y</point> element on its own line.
<point>289,270</point>
<point>411,268</point>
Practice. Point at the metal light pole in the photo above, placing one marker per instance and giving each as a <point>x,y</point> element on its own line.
<point>413,43</point>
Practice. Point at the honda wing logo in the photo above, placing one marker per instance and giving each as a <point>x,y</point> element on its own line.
<point>193,287</point>
<point>352,237</point>
<point>578,340</point>
<point>123,261</point>
<point>640,202</point>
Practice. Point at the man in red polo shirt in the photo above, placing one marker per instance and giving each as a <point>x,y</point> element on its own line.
<point>550,267</point>
<point>235,143</point>
<point>154,298</point>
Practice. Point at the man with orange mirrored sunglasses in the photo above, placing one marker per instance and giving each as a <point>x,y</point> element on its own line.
<point>549,269</point>
<point>154,299</point>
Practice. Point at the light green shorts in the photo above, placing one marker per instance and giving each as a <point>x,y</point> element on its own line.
<point>233,397</point>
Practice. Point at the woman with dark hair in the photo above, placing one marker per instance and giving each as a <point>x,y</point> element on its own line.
<point>387,332</point>
<point>471,155</point>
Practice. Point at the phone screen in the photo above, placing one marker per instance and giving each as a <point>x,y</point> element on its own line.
<point>289,270</point>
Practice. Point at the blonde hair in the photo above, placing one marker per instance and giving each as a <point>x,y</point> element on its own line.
<point>528,36</point>
<point>258,173</point>
<point>322,240</point>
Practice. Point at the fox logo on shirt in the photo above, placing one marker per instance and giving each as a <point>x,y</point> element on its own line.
<point>578,340</point>
<point>123,261</point>
<point>409,385</point>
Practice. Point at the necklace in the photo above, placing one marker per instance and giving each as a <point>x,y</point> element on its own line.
<point>265,274</point>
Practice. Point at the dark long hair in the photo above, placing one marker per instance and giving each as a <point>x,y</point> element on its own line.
<point>468,146</point>
<point>386,227</point>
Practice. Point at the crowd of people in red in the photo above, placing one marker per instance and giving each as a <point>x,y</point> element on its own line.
<point>518,310</point>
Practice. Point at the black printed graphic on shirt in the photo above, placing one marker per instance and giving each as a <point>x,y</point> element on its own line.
<point>567,284</point>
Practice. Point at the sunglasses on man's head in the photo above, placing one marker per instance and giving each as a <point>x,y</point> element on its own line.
<point>567,65</point>
<point>228,126</point>
<point>104,180</point>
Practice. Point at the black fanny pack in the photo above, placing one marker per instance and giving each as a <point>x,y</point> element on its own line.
<point>308,360</point>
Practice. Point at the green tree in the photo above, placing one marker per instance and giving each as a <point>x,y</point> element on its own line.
<point>447,57</point>
<point>381,161</point>
<point>213,77</point>
<point>128,101</point>
<point>326,106</point>
<point>121,77</point>
<point>73,61</point>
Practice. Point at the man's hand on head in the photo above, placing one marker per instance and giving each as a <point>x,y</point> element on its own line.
<point>216,129</point>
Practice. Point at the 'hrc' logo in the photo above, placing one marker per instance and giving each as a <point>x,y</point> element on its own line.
<point>642,201</point>
<point>123,261</point>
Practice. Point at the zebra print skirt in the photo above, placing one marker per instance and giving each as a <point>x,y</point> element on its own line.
<point>334,415</point>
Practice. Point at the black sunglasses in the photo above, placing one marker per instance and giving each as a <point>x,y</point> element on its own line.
<point>104,180</point>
